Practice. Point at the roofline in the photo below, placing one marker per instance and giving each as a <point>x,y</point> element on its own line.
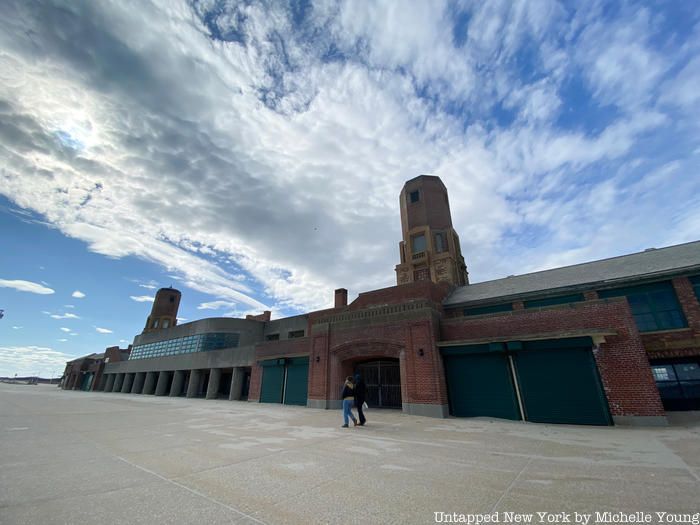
<point>597,285</point>
<point>596,261</point>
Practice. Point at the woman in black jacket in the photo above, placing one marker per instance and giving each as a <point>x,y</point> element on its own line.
<point>348,399</point>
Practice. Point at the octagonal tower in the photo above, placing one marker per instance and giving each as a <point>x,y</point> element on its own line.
<point>430,249</point>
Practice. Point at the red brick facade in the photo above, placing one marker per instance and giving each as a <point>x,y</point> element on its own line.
<point>272,350</point>
<point>622,363</point>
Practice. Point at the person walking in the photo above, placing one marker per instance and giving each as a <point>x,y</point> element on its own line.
<point>360,397</point>
<point>348,399</point>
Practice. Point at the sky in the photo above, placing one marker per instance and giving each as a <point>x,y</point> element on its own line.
<point>251,153</point>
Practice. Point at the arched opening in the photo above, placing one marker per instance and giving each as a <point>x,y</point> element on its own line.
<point>382,379</point>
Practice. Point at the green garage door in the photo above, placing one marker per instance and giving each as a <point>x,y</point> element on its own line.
<point>87,381</point>
<point>560,384</point>
<point>272,381</point>
<point>297,381</point>
<point>479,382</point>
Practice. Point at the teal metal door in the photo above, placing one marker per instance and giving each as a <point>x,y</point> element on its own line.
<point>561,385</point>
<point>480,384</point>
<point>272,381</point>
<point>296,386</point>
<point>87,381</point>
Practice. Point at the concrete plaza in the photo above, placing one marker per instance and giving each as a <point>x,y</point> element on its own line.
<point>79,457</point>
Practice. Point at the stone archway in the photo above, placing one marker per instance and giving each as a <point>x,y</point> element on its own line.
<point>346,358</point>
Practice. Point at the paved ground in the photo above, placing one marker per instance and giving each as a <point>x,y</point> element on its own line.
<point>76,457</point>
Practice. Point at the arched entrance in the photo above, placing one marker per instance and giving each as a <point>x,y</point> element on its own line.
<point>382,379</point>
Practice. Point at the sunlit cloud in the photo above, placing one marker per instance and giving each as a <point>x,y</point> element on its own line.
<point>78,294</point>
<point>142,298</point>
<point>32,360</point>
<point>291,133</point>
<point>215,305</point>
<point>66,315</point>
<point>25,286</point>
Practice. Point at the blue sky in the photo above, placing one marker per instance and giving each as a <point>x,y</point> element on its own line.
<point>251,153</point>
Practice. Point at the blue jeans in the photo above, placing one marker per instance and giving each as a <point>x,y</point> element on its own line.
<point>347,412</point>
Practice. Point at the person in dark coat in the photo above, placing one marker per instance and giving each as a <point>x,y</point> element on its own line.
<point>360,397</point>
<point>348,399</point>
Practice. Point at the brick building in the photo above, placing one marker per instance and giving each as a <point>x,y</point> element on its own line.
<point>85,373</point>
<point>609,341</point>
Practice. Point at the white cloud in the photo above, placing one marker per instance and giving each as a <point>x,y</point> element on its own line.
<point>103,330</point>
<point>69,306</point>
<point>292,152</point>
<point>78,294</point>
<point>32,360</point>
<point>683,89</point>
<point>215,305</point>
<point>73,333</point>
<point>63,340</point>
<point>620,63</point>
<point>26,286</point>
<point>17,327</point>
<point>142,298</point>
<point>63,329</point>
<point>181,319</point>
<point>67,315</point>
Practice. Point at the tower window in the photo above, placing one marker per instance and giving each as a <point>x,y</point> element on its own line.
<point>414,196</point>
<point>172,298</point>
<point>166,323</point>
<point>418,244</point>
<point>439,242</point>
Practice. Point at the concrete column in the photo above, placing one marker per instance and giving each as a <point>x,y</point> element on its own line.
<point>149,386</point>
<point>178,380</point>
<point>139,379</point>
<point>109,385</point>
<point>103,382</point>
<point>237,384</point>
<point>128,382</point>
<point>118,382</point>
<point>193,385</point>
<point>162,385</point>
<point>214,382</point>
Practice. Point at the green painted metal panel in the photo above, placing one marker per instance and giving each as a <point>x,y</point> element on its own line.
<point>272,380</point>
<point>558,344</point>
<point>481,385</point>
<point>491,309</point>
<point>468,349</point>
<point>272,362</point>
<point>296,388</point>
<point>551,301</point>
<point>654,306</point>
<point>695,281</point>
<point>561,386</point>
<point>87,382</point>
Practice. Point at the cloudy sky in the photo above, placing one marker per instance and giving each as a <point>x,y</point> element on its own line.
<point>252,153</point>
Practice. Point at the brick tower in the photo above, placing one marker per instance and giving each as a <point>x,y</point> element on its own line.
<point>430,248</point>
<point>164,310</point>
